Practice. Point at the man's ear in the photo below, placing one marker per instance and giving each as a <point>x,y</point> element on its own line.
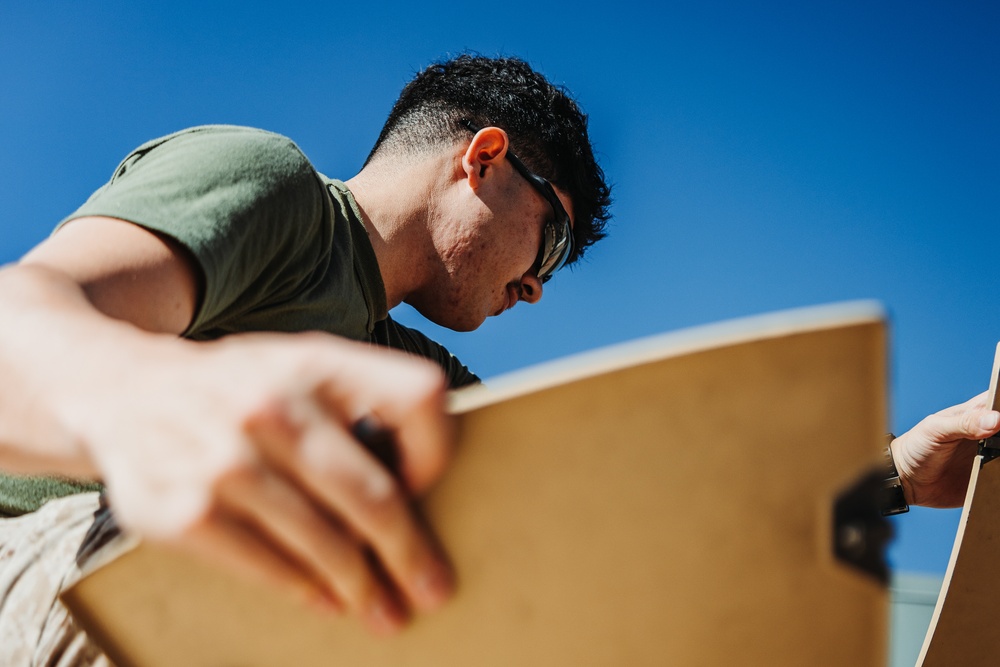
<point>488,147</point>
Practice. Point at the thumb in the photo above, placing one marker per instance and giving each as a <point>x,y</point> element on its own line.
<point>973,425</point>
<point>987,422</point>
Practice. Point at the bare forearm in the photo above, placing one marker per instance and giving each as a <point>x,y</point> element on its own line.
<point>198,441</point>
<point>52,339</point>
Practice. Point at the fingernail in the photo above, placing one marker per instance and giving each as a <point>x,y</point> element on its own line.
<point>325,604</point>
<point>989,421</point>
<point>434,586</point>
<point>385,617</point>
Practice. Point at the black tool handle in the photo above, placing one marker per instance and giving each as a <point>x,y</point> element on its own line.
<point>379,441</point>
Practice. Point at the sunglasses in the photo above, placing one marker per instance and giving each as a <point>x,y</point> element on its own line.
<point>557,236</point>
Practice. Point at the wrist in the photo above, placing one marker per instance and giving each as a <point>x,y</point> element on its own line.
<point>895,494</point>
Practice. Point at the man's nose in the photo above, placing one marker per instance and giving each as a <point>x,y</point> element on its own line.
<point>531,288</point>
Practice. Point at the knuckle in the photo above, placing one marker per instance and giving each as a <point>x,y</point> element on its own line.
<point>260,411</point>
<point>266,413</point>
<point>199,524</point>
<point>428,384</point>
<point>381,503</point>
<point>236,479</point>
<point>968,424</point>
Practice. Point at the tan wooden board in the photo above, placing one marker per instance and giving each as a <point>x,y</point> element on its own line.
<point>666,502</point>
<point>962,629</point>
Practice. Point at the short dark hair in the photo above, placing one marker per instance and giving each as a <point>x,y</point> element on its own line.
<point>547,130</point>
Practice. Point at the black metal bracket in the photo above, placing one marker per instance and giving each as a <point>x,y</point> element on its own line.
<point>860,532</point>
<point>989,448</point>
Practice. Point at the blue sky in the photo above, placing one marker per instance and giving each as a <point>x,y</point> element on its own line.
<point>765,155</point>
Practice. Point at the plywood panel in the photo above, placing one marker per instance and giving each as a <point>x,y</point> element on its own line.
<point>961,631</point>
<point>663,503</point>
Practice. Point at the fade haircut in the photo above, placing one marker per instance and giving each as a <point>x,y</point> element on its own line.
<point>547,130</point>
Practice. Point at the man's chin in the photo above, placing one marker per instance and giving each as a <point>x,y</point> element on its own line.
<point>462,325</point>
<point>461,322</point>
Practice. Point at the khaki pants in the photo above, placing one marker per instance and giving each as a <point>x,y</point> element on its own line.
<point>40,554</point>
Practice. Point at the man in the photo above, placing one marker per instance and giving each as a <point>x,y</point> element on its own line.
<point>244,448</point>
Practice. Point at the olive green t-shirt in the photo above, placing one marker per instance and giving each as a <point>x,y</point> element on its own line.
<point>279,247</point>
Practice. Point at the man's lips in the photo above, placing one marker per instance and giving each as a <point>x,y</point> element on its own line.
<point>513,295</point>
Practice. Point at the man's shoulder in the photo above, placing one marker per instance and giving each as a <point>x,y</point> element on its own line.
<point>234,132</point>
<point>252,147</point>
<point>239,163</point>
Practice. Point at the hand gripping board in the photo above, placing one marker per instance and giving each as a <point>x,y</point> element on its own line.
<point>663,502</point>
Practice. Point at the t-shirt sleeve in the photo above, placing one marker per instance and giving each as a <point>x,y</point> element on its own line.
<point>392,334</point>
<point>246,204</point>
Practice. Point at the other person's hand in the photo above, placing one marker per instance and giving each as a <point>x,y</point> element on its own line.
<point>934,458</point>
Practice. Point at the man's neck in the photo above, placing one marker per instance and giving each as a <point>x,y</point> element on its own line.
<point>396,201</point>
